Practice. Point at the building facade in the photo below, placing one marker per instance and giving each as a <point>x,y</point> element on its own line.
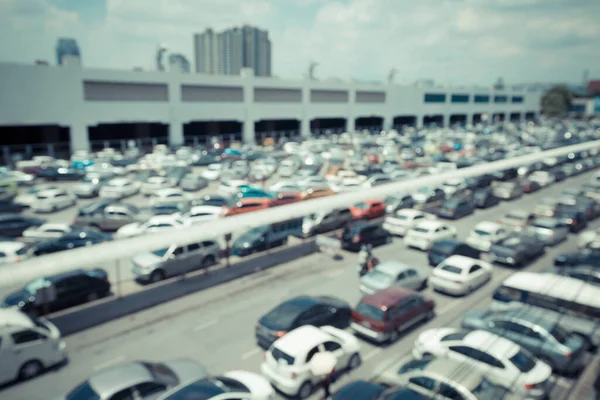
<point>80,98</point>
<point>228,52</point>
<point>67,52</point>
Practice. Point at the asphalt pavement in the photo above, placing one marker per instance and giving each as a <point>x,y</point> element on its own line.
<point>216,326</point>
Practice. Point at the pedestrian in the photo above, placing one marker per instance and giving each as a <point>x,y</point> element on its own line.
<point>326,385</point>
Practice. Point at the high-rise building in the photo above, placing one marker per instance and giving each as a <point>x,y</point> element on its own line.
<point>67,52</point>
<point>178,62</point>
<point>226,53</point>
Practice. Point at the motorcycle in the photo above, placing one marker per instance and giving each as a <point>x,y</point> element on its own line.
<point>367,267</point>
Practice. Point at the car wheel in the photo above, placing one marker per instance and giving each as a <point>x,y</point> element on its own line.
<point>354,362</point>
<point>394,336</point>
<point>30,370</point>
<point>208,261</point>
<point>305,390</point>
<point>423,285</point>
<point>388,239</point>
<point>157,276</point>
<point>92,296</point>
<point>430,315</point>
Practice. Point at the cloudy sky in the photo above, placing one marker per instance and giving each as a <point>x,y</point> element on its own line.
<point>450,41</point>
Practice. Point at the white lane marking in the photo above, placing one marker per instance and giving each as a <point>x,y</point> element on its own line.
<point>205,325</point>
<point>447,307</point>
<point>333,274</point>
<point>371,354</point>
<point>109,363</point>
<point>250,353</point>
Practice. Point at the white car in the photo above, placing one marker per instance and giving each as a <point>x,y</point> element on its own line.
<point>347,185</point>
<point>28,198</point>
<point>589,239</point>
<point>212,172</point>
<point>201,214</point>
<point>502,361</point>
<point>13,251</point>
<point>168,196</point>
<point>543,178</point>
<point>53,200</point>
<point>119,188</point>
<point>45,231</point>
<point>19,177</point>
<point>234,385</point>
<point>154,224</point>
<point>376,180</point>
<point>404,220</point>
<point>287,362</point>
<point>485,234</point>
<point>154,183</point>
<point>232,187</point>
<point>451,186</point>
<point>106,168</point>
<point>424,233</point>
<point>313,180</point>
<point>285,186</point>
<point>460,275</point>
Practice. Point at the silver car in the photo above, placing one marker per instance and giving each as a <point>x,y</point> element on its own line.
<point>193,182</point>
<point>549,230</point>
<point>393,273</point>
<point>90,185</point>
<point>175,260</point>
<point>562,350</point>
<point>507,190</point>
<point>137,380</point>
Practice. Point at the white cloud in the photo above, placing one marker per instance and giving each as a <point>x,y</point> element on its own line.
<point>462,41</point>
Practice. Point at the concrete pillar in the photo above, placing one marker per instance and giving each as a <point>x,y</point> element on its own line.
<point>446,120</point>
<point>305,131</point>
<point>350,124</point>
<point>248,134</point>
<point>305,128</point>
<point>80,139</point>
<point>420,121</point>
<point>388,122</point>
<point>351,119</point>
<point>176,137</point>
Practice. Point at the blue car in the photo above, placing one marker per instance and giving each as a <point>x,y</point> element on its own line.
<point>247,192</point>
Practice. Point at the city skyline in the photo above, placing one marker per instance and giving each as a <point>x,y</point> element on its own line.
<point>449,41</point>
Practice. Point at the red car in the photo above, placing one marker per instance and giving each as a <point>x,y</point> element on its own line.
<point>285,198</point>
<point>368,209</point>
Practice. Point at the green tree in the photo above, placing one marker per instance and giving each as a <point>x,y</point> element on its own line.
<point>557,101</point>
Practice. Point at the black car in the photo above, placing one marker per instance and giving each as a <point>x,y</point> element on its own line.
<point>66,290</point>
<point>213,200</point>
<point>584,204</point>
<point>576,220</point>
<point>163,209</point>
<point>90,209</point>
<point>365,390</point>
<point>480,182</point>
<point>455,208</point>
<point>517,249</point>
<point>586,273</point>
<point>78,237</point>
<point>559,174</point>
<point>9,207</point>
<point>506,175</point>
<point>359,233</point>
<point>485,198</point>
<point>398,202</point>
<point>583,257</point>
<point>61,174</point>
<point>13,225</point>
<point>300,311</point>
<point>443,249</point>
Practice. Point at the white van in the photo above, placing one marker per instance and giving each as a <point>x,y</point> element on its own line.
<point>28,346</point>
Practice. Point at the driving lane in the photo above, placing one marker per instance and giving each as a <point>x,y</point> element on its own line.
<point>216,326</point>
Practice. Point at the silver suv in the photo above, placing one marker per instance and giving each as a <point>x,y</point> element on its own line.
<point>175,260</point>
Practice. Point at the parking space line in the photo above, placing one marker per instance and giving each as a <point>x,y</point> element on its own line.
<point>205,325</point>
<point>250,353</point>
<point>371,354</point>
<point>109,363</point>
<point>450,305</point>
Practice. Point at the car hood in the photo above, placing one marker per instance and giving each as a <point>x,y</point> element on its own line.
<point>373,283</point>
<point>17,297</point>
<point>187,370</point>
<point>260,388</point>
<point>85,186</point>
<point>129,230</point>
<point>146,259</point>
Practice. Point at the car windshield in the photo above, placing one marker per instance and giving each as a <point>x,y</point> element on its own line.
<point>443,247</point>
<point>379,276</point>
<point>161,252</point>
<point>283,316</point>
<point>162,373</point>
<point>523,361</point>
<point>560,334</point>
<point>544,225</point>
<point>481,232</point>
<point>36,285</point>
<point>313,217</point>
<point>401,217</point>
<point>415,365</point>
<point>281,356</point>
<point>421,230</point>
<point>452,184</point>
<point>362,206</point>
<point>370,311</point>
<point>451,269</point>
<point>83,392</point>
<point>488,391</point>
<point>255,233</point>
<point>90,180</point>
<point>425,190</point>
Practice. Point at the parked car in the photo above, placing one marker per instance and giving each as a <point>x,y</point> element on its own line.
<point>175,260</point>
<point>107,215</point>
<point>507,190</point>
<point>317,192</point>
<point>119,188</point>
<point>359,233</point>
<point>485,234</point>
<point>325,221</point>
<point>546,208</point>
<point>70,288</point>
<point>292,353</point>
<point>485,198</point>
<point>299,311</point>
<point>155,183</point>
<point>442,249</point>
<point>213,200</point>
<point>425,233</point>
<point>574,219</point>
<point>90,185</point>
<point>543,178</point>
<point>382,316</point>
<point>561,350</point>
<point>517,249</point>
<point>455,208</point>
<point>551,231</point>
<point>429,195</point>
<point>27,198</point>
<point>12,251</point>
<point>530,186</point>
<point>192,182</point>
<point>53,200</point>
<point>154,224</point>
<point>398,202</point>
<point>168,196</point>
<point>137,380</point>
<point>460,275</point>
<point>583,257</point>
<point>61,174</point>
<point>75,238</point>
<point>248,205</point>
<point>13,225</point>
<point>283,198</point>
<point>368,209</point>
<point>46,231</point>
<point>202,214</point>
<point>393,273</point>
<point>517,220</point>
<point>504,362</point>
<point>264,237</point>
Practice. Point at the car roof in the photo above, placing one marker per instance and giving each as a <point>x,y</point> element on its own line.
<point>53,225</point>
<point>119,181</point>
<point>9,317</point>
<point>387,297</point>
<point>118,377</point>
<point>12,246</point>
<point>409,212</point>
<point>392,267</point>
<point>455,371</point>
<point>301,340</point>
<point>460,261</point>
<point>57,277</point>
<point>494,345</point>
<point>488,226</point>
<point>430,224</point>
<point>518,213</point>
<point>50,192</point>
<point>540,320</point>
